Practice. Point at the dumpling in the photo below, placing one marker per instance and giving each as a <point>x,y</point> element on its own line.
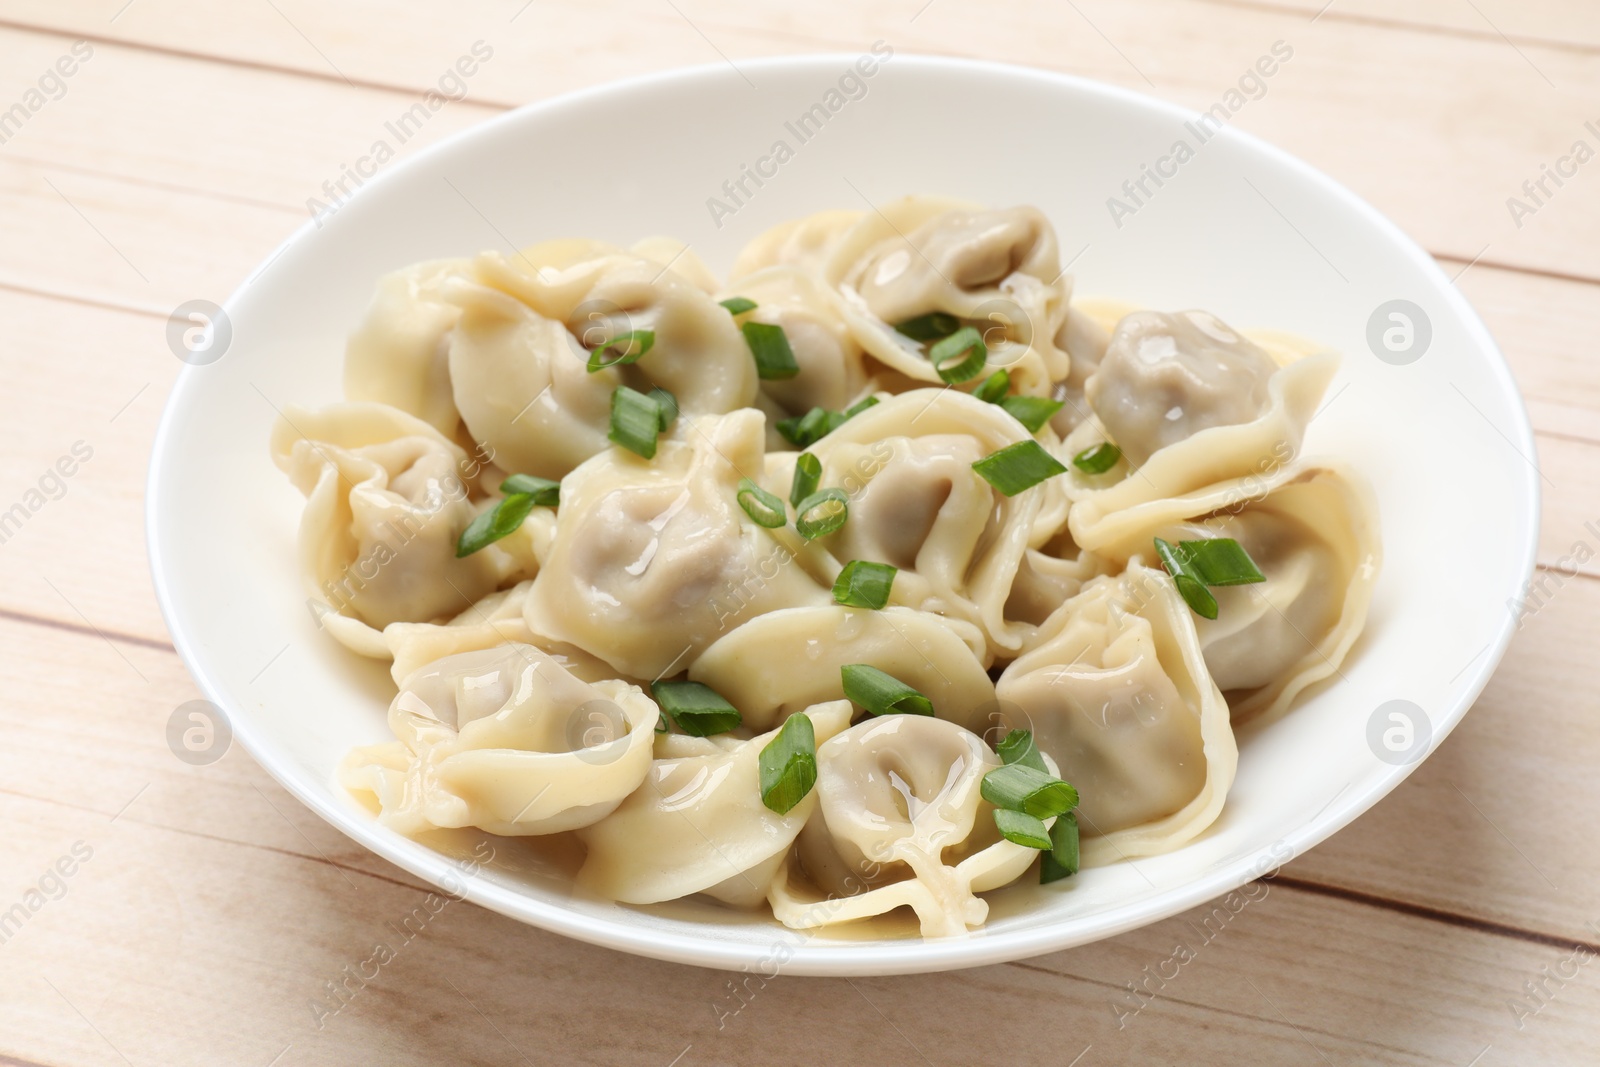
<point>519,354</point>
<point>804,243</point>
<point>1312,530</point>
<point>997,270</point>
<point>507,740</point>
<point>386,501</point>
<point>900,821</point>
<point>784,661</point>
<point>1114,688</point>
<point>1084,341</point>
<point>697,824</point>
<point>833,374</point>
<point>400,354</point>
<point>652,561</point>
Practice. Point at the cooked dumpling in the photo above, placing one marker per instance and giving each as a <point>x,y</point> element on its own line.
<point>1084,341</point>
<point>803,242</point>
<point>653,560</point>
<point>900,822</point>
<point>832,371</point>
<point>507,740</point>
<point>1114,688</point>
<point>697,824</point>
<point>386,501</point>
<point>400,353</point>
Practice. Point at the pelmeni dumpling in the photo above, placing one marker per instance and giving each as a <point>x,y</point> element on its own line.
<point>833,373</point>
<point>997,270</point>
<point>1115,689</point>
<point>386,501</point>
<point>653,560</point>
<point>697,824</point>
<point>900,822</point>
<point>1312,531</point>
<point>784,661</point>
<point>804,243</point>
<point>507,740</point>
<point>400,354</point>
<point>1084,340</point>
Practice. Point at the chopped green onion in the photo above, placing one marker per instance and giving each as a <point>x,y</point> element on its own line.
<point>994,387</point>
<point>807,476</point>
<point>821,513</point>
<point>699,710</point>
<point>668,405</point>
<point>859,406</point>
<point>1191,584</point>
<point>634,344</point>
<point>545,493</point>
<point>803,431</point>
<point>959,357</point>
<point>1097,459</point>
<point>1221,561</point>
<point>502,520</point>
<point>1032,411</point>
<point>1018,467</point>
<point>929,327</point>
<point>881,693</point>
<point>1019,787</point>
<point>789,765</point>
<point>738,305</point>
<point>864,585</point>
<point>1021,828</point>
<point>1018,747</point>
<point>635,421</point>
<point>763,508</point>
<point>770,346</point>
<point>1062,859</point>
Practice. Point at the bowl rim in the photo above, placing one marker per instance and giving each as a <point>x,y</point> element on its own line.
<point>914,955</point>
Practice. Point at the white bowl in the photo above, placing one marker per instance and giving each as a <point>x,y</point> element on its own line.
<point>1242,229</point>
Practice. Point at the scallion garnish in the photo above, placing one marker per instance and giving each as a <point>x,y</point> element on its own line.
<point>929,327</point>
<point>738,305</point>
<point>881,693</point>
<point>699,710</point>
<point>821,513</point>
<point>807,476</point>
<point>1018,467</point>
<point>635,421</point>
<point>545,493</point>
<point>1020,828</point>
<point>667,405</point>
<point>959,357</point>
<point>864,585</point>
<point>788,765</point>
<point>859,406</point>
<point>994,387</point>
<point>1097,459</point>
<point>629,347</point>
<point>1019,787</point>
<point>1032,411</point>
<point>1018,747</point>
<point>770,346</point>
<point>1062,859</point>
<point>1194,565</point>
<point>803,431</point>
<point>763,508</point>
<point>502,520</point>
<point>1190,585</point>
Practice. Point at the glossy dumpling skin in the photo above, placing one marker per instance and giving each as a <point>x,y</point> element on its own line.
<point>900,822</point>
<point>697,823</point>
<point>387,497</point>
<point>805,243</point>
<point>400,354</point>
<point>833,371</point>
<point>1115,689</point>
<point>508,740</point>
<point>1312,530</point>
<point>654,560</point>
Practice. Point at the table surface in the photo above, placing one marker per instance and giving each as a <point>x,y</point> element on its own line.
<point>206,913</point>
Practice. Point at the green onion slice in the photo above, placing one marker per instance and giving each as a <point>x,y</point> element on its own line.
<point>699,710</point>
<point>629,347</point>
<point>1062,859</point>
<point>1018,467</point>
<point>635,421</point>
<point>1018,747</point>
<point>959,357</point>
<point>1018,787</point>
<point>859,406</point>
<point>1097,459</point>
<point>929,327</point>
<point>807,476</point>
<point>1221,561</point>
<point>1032,411</point>
<point>1191,584</point>
<point>821,513</point>
<point>545,493</point>
<point>1020,828</point>
<point>502,520</point>
<point>994,387</point>
<point>738,305</point>
<point>667,405</point>
<point>881,693</point>
<point>770,345</point>
<point>789,765</point>
<point>803,431</point>
<point>763,508</point>
<point>864,585</point>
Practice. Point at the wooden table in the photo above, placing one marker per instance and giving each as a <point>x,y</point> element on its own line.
<point>205,911</point>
